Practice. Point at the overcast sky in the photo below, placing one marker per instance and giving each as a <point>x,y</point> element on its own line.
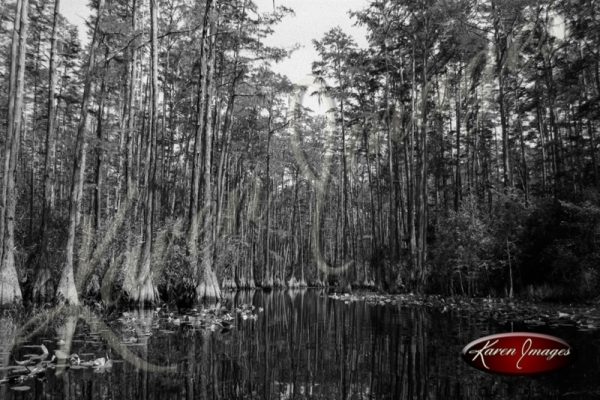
<point>313,18</point>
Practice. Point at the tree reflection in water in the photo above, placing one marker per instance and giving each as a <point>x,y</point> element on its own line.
<point>302,346</point>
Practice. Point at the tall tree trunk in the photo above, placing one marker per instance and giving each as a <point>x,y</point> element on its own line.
<point>42,273</point>
<point>127,118</point>
<point>208,287</point>
<point>412,178</point>
<point>505,144</point>
<point>542,145</point>
<point>268,281</point>
<point>422,184</point>
<point>458,183</point>
<point>145,291</point>
<point>194,207</point>
<point>344,257</point>
<point>99,157</point>
<point>66,290</point>
<point>592,139</point>
<point>501,50</point>
<point>10,291</point>
<point>129,175</point>
<point>50,131</point>
<point>524,166</point>
<point>227,122</point>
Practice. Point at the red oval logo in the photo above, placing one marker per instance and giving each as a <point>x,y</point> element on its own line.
<point>518,353</point>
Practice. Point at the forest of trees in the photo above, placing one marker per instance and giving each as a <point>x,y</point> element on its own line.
<point>167,160</point>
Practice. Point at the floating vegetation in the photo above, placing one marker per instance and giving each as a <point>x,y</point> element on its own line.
<point>35,366</point>
<point>20,388</point>
<point>97,339</point>
<point>132,328</point>
<point>501,310</point>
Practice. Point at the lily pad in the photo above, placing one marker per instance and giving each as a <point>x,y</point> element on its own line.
<point>20,388</point>
<point>61,355</point>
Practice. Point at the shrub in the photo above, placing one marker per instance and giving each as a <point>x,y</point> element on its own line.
<point>562,250</point>
<point>461,256</point>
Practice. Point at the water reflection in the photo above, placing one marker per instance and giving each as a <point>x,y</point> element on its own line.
<point>302,346</point>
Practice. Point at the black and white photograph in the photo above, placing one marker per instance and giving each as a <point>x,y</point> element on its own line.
<point>299,199</point>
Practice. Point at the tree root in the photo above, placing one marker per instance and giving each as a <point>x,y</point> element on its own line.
<point>209,288</point>
<point>67,291</point>
<point>144,292</point>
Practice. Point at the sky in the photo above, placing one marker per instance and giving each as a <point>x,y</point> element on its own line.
<point>312,19</point>
<point>76,11</point>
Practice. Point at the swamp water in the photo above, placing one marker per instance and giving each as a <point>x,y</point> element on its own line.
<point>279,345</point>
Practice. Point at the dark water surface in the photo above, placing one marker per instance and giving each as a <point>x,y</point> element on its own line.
<point>302,345</point>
